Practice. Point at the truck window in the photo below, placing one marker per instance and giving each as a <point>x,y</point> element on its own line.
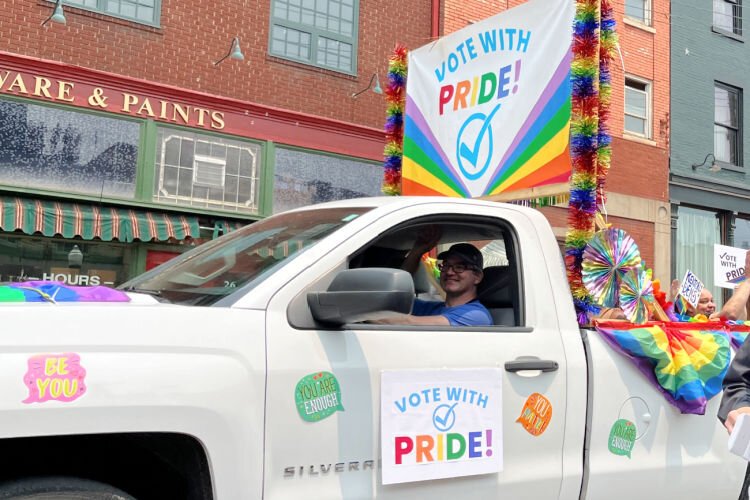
<point>499,290</point>
<point>215,270</point>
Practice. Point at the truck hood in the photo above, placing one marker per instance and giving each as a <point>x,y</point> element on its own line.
<point>138,324</point>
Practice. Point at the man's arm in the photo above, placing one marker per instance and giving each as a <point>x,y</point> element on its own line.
<point>410,319</point>
<point>426,240</point>
<point>737,305</point>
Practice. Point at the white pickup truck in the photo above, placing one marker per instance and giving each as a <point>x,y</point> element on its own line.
<point>244,369</point>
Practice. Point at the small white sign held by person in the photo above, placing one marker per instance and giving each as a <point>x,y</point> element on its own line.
<point>729,266</point>
<point>441,423</point>
<point>691,288</point>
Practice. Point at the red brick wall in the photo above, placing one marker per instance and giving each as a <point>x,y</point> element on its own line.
<point>638,168</point>
<point>458,14</point>
<point>641,232</point>
<point>194,34</point>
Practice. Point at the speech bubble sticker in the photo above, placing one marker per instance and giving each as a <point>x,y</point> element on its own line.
<point>318,396</point>
<point>622,437</point>
<point>536,414</point>
<point>55,377</point>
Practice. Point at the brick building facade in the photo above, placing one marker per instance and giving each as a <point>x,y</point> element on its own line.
<point>200,147</point>
<point>709,154</point>
<point>285,114</point>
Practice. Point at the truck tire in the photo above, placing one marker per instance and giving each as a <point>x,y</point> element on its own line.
<point>59,488</point>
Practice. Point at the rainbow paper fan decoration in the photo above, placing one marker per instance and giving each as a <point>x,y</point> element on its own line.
<point>636,296</point>
<point>610,254</point>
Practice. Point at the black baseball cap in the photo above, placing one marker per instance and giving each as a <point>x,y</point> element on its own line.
<point>466,252</point>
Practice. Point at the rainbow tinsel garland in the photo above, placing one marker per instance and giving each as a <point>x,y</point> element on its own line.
<point>590,141</point>
<point>395,96</point>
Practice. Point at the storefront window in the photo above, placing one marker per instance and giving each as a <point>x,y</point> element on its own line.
<point>67,151</point>
<point>209,172</point>
<point>304,178</point>
<point>27,258</point>
<point>742,233</point>
<point>697,233</point>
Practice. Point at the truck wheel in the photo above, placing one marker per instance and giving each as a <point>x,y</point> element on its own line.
<point>60,488</point>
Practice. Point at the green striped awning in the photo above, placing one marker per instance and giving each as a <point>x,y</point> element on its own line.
<point>69,220</point>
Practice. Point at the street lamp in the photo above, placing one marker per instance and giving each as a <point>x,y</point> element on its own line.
<point>715,167</point>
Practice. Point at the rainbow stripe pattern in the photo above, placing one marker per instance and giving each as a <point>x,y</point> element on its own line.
<point>53,292</point>
<point>685,361</point>
<point>538,155</point>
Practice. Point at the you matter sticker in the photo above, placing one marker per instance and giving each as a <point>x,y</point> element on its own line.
<point>622,437</point>
<point>318,396</point>
<point>536,414</point>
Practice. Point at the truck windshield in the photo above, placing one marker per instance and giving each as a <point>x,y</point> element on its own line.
<point>217,269</point>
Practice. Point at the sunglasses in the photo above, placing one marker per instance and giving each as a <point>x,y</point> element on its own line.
<point>457,268</point>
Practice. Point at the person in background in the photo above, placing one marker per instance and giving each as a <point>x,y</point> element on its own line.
<point>706,305</point>
<point>460,274</point>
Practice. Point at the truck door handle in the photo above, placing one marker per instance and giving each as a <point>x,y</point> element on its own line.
<point>524,364</point>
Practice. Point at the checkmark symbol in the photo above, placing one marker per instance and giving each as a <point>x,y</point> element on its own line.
<point>471,154</point>
<point>445,421</point>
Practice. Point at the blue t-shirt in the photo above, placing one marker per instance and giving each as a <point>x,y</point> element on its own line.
<point>470,314</point>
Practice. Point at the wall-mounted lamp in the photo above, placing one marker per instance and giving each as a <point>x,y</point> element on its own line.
<point>57,16</point>
<point>714,167</point>
<point>75,258</point>
<point>376,89</point>
<point>234,52</point>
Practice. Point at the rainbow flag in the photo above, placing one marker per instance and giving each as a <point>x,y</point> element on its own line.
<point>53,291</point>
<point>685,361</point>
<point>738,331</point>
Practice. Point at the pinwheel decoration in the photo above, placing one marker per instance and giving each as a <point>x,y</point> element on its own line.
<point>607,257</point>
<point>636,296</point>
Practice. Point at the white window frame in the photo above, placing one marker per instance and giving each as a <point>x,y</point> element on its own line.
<point>646,21</point>
<point>316,34</point>
<point>648,94</point>
<point>731,89</point>
<point>218,164</point>
<point>100,7</point>
<point>736,28</point>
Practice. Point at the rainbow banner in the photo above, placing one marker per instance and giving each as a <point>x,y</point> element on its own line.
<point>53,291</point>
<point>488,107</point>
<point>685,361</point>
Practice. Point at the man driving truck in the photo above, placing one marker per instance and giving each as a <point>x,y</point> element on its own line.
<point>460,274</point>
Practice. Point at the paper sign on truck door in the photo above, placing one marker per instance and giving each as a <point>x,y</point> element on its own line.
<point>440,423</point>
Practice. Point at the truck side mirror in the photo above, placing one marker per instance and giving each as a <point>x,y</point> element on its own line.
<point>362,294</point>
